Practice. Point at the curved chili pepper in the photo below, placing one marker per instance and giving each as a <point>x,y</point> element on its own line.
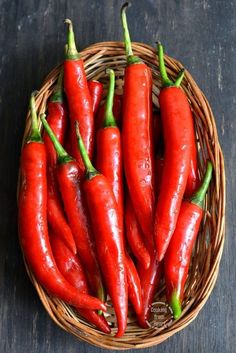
<point>96,91</point>
<point>108,229</point>
<point>57,118</point>
<point>78,97</point>
<point>150,280</point>
<point>134,236</point>
<point>137,135</point>
<point>32,221</point>
<point>134,285</point>
<point>109,163</point>
<point>193,178</point>
<point>116,109</point>
<point>178,139</point>
<point>71,268</point>
<point>75,208</point>
<point>109,153</point>
<point>178,255</point>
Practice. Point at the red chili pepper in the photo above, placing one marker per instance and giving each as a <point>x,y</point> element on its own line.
<point>116,109</point>
<point>32,220</point>
<point>78,97</point>
<point>96,91</point>
<point>178,139</point>
<point>193,178</point>
<point>108,229</point>
<point>109,153</point>
<point>109,163</point>
<point>178,255</point>
<point>57,118</point>
<point>135,237</point>
<point>71,268</point>
<point>134,285</point>
<point>159,172</point>
<point>137,136</point>
<point>75,208</point>
<point>150,279</point>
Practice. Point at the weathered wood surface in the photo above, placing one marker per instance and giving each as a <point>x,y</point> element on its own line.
<point>201,34</point>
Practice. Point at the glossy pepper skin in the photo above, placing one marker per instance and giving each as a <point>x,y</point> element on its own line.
<point>159,172</point>
<point>96,92</point>
<point>150,280</point>
<point>57,119</point>
<point>109,151</point>
<point>68,176</point>
<point>109,163</point>
<point>79,99</point>
<point>116,109</point>
<point>134,236</point>
<point>137,136</point>
<point>32,221</point>
<point>108,229</point>
<point>110,248</point>
<point>178,255</point>
<point>71,268</point>
<point>178,139</point>
<point>193,178</point>
<point>134,285</point>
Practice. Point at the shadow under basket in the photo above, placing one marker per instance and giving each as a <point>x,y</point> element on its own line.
<point>209,245</point>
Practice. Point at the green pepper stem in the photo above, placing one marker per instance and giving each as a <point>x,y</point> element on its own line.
<point>58,90</point>
<point>199,195</point>
<point>109,117</point>
<point>102,296</point>
<point>175,304</point>
<point>179,78</point>
<point>131,58</point>
<point>71,52</point>
<point>90,170</point>
<point>35,132</point>
<point>62,155</point>
<point>164,76</point>
<point>127,40</point>
<point>166,82</point>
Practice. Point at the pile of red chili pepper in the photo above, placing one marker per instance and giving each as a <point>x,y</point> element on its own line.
<point>110,199</point>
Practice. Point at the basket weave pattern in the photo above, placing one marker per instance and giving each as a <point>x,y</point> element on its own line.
<point>208,249</point>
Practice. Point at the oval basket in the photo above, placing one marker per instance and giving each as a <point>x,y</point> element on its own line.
<point>208,249</point>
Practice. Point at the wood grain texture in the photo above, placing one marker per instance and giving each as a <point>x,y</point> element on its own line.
<point>199,33</point>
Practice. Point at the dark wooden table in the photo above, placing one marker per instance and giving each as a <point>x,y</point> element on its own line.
<point>202,35</point>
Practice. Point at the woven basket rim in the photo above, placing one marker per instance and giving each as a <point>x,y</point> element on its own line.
<point>113,52</point>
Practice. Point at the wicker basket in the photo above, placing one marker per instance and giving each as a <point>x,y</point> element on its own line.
<point>209,245</point>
